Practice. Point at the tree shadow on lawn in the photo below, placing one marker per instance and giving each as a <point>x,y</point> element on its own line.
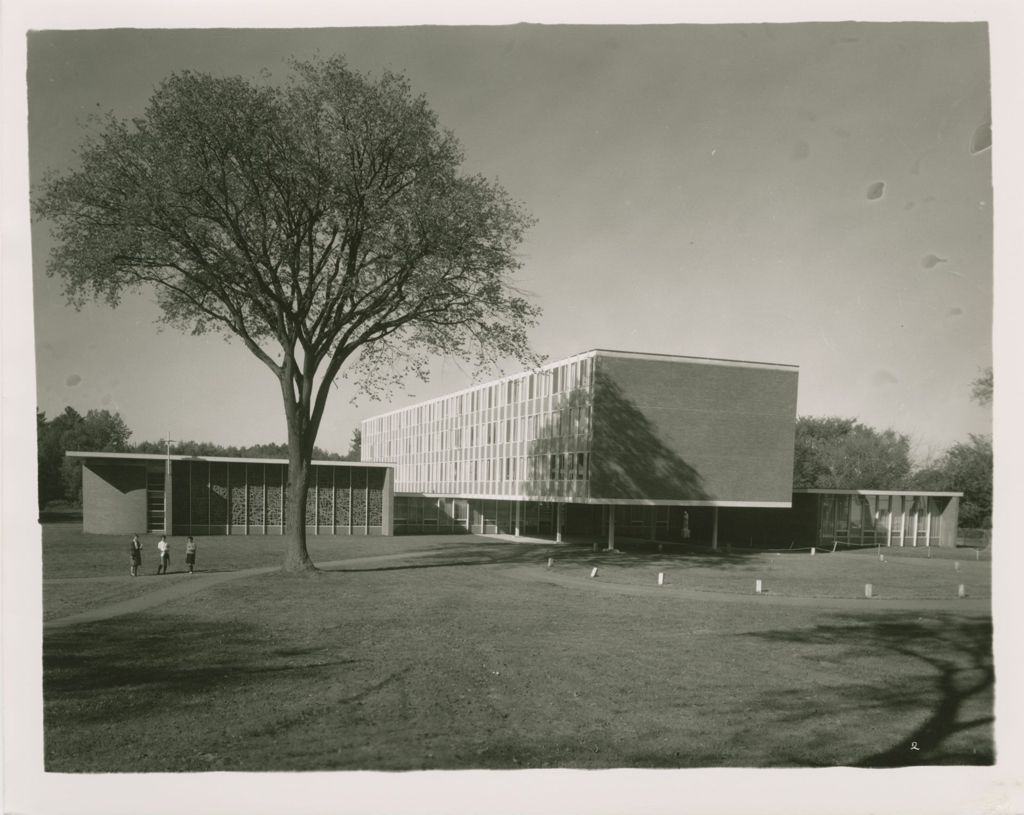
<point>108,670</point>
<point>956,651</point>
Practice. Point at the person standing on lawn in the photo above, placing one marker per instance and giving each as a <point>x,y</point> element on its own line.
<point>135,549</point>
<point>190,554</point>
<point>165,555</point>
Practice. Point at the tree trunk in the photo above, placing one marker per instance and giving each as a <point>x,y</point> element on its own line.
<point>296,558</point>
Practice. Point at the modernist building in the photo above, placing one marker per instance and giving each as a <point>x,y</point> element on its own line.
<point>651,444</point>
<point>604,443</point>
<point>211,495</point>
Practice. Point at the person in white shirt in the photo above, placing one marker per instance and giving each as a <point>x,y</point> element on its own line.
<point>165,555</point>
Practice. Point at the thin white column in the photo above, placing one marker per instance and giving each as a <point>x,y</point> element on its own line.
<point>518,506</point>
<point>914,530</point>
<point>903,520</point>
<point>888,526</point>
<point>611,527</point>
<point>928,523</point>
<point>714,528</point>
<point>558,522</point>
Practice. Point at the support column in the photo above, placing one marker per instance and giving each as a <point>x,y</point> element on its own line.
<point>903,520</point>
<point>888,526</point>
<point>558,522</point>
<point>388,503</point>
<point>714,528</point>
<point>519,505</point>
<point>611,527</point>
<point>168,502</point>
<point>928,521</point>
<point>913,530</point>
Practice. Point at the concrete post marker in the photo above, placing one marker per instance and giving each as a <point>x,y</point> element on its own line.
<point>661,578</point>
<point>593,572</point>
<point>868,590</point>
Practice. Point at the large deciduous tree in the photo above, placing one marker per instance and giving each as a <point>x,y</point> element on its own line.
<point>324,220</point>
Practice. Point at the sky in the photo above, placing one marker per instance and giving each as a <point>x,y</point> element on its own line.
<point>803,193</point>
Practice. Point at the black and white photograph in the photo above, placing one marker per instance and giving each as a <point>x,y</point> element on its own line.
<point>510,412</point>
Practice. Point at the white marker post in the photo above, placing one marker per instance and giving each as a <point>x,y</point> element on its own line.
<point>593,572</point>
<point>868,590</point>
<point>551,562</point>
<point>661,578</point>
<point>961,592</point>
<point>977,554</point>
<point>757,587</point>
<point>812,551</point>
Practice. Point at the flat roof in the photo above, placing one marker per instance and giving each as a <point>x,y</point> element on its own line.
<point>915,493</point>
<point>228,459</point>
<point>593,352</point>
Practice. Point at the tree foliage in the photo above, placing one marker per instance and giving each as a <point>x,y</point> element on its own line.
<point>841,453</point>
<point>209,448</point>
<point>355,447</point>
<point>982,388</point>
<point>322,221</point>
<point>965,467</point>
<point>97,431</point>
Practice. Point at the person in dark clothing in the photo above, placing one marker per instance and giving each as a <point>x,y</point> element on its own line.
<point>135,550</point>
<point>190,554</point>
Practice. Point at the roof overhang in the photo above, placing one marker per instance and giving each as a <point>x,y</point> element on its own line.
<point>910,493</point>
<point>156,457</point>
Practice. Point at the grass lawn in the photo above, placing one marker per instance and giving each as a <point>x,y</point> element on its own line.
<point>445,657</point>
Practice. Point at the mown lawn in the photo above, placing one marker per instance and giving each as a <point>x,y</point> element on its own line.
<point>452,660</point>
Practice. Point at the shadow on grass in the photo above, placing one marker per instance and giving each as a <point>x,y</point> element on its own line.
<point>106,672</point>
<point>955,706</point>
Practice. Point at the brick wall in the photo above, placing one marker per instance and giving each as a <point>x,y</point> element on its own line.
<point>682,430</point>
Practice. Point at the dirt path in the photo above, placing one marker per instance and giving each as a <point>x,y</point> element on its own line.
<point>181,584</point>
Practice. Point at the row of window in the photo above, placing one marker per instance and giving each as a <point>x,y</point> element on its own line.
<point>567,376</point>
<point>566,466</point>
<point>880,518</point>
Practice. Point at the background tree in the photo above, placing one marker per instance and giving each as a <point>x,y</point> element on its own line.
<point>839,453</point>
<point>324,222</point>
<point>982,388</point>
<point>209,448</point>
<point>355,447</point>
<point>965,467</point>
<point>98,431</point>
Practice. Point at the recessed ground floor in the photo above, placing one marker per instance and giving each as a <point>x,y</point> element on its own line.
<point>823,518</point>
